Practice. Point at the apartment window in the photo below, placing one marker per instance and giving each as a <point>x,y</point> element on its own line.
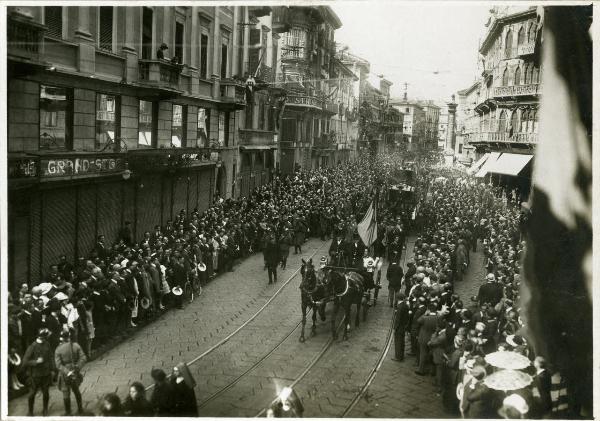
<point>204,56</point>
<point>505,77</point>
<point>527,74</point>
<point>254,50</point>
<point>179,41</point>
<point>147,33</point>
<point>517,76</point>
<point>178,126</point>
<point>261,116</point>
<point>508,43</point>
<point>531,33</point>
<point>105,28</point>
<point>146,124</point>
<point>502,122</point>
<point>107,119</point>
<point>56,117</point>
<point>295,42</point>
<point>53,20</point>
<point>521,36</point>
<point>514,121</point>
<point>221,128</point>
<point>524,121</point>
<point>224,54</point>
<point>408,110</point>
<point>203,125</point>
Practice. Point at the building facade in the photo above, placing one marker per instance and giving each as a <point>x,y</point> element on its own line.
<point>131,114</point>
<point>414,122</point>
<point>431,124</point>
<point>509,91</point>
<point>442,127</point>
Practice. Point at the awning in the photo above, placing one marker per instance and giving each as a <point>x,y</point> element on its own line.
<point>257,147</point>
<point>475,167</point>
<point>510,163</point>
<point>489,163</point>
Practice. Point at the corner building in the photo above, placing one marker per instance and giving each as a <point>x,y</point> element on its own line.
<point>103,128</point>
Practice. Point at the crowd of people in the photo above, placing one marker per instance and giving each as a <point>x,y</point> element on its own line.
<point>123,281</point>
<point>449,338</point>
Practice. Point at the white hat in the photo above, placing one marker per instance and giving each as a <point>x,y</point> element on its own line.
<point>517,402</point>
<point>45,287</point>
<point>201,267</point>
<point>61,296</point>
<point>177,291</point>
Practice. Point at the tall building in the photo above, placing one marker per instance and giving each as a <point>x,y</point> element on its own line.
<point>442,127</point>
<point>414,122</point>
<point>508,96</point>
<point>306,62</point>
<point>467,123</point>
<point>432,119</point>
<point>133,124</point>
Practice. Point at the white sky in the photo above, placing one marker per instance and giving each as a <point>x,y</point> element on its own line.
<point>408,42</point>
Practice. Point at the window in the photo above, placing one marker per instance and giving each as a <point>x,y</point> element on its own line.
<point>224,54</point>
<point>179,126</point>
<point>505,77</point>
<point>534,121</point>
<point>203,125</point>
<point>254,50</point>
<point>531,33</point>
<point>147,33</point>
<point>105,28</point>
<point>227,128</point>
<point>514,122</point>
<point>408,110</point>
<point>535,74</point>
<point>524,121</point>
<point>53,20</point>
<point>221,128</point>
<point>55,117</point>
<point>527,75</point>
<point>517,76</point>
<point>502,122</point>
<point>107,119</point>
<point>521,36</point>
<point>179,41</point>
<point>204,56</point>
<point>295,43</point>
<point>146,124</point>
<point>508,43</point>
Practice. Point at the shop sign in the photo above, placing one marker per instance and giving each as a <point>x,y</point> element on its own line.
<point>22,168</point>
<point>80,166</point>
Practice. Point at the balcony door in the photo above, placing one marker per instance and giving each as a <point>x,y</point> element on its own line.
<point>502,122</point>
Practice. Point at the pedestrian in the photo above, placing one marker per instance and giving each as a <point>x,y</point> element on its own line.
<point>401,323</point>
<point>39,360</point>
<point>110,406</point>
<point>271,257</point>
<point>162,398</point>
<point>285,242</point>
<point>476,399</point>
<point>394,275</point>
<point>437,345</point>
<point>136,404</point>
<point>427,324</point>
<point>183,385</point>
<point>70,359</point>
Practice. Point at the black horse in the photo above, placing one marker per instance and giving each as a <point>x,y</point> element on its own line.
<point>346,289</point>
<point>313,296</point>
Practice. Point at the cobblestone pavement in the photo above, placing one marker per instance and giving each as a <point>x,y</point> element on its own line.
<point>181,335</point>
<point>396,391</point>
<point>265,355</point>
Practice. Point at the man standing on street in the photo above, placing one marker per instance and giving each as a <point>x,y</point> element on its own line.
<point>427,325</point>
<point>394,276</point>
<point>39,359</point>
<point>400,326</point>
<point>69,359</point>
<point>491,292</point>
<point>271,256</point>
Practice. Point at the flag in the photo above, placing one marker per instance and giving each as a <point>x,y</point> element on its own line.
<point>556,295</point>
<point>367,228</point>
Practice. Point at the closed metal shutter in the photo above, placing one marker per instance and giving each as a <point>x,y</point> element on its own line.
<point>53,20</point>
<point>110,206</point>
<point>205,181</point>
<point>148,206</point>
<point>128,211</point>
<point>58,226</point>
<point>180,187</point>
<point>166,200</point>
<point>193,191</point>
<point>86,223</point>
<point>18,239</point>
<point>35,238</point>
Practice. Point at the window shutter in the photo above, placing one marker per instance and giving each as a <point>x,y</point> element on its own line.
<point>53,20</point>
<point>106,27</point>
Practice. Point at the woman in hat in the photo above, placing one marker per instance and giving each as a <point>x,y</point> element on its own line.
<point>136,404</point>
<point>184,398</point>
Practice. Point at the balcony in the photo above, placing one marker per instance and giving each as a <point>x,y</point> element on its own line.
<point>533,89</point>
<point>25,38</point>
<point>257,139</point>
<point>160,74</point>
<point>304,101</point>
<point>233,91</point>
<point>265,74</point>
<point>143,160</point>
<point>526,49</point>
<point>498,137</point>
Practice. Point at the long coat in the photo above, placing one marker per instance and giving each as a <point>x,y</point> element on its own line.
<point>271,253</point>
<point>476,401</point>
<point>68,357</point>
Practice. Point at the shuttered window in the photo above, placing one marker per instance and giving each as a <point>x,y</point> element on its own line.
<point>53,20</point>
<point>105,29</point>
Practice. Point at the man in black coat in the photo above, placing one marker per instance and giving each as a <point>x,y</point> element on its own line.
<point>337,250</point>
<point>394,274</point>
<point>491,292</point>
<point>400,326</point>
<point>271,256</point>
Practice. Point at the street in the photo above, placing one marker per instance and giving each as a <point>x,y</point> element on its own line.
<point>239,372</point>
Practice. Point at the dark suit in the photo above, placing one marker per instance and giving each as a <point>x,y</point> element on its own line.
<point>427,325</point>
<point>414,329</point>
<point>394,276</point>
<point>490,292</point>
<point>400,326</point>
<point>542,404</point>
<point>336,250</point>
<point>476,401</point>
<point>271,256</point>
<point>355,252</point>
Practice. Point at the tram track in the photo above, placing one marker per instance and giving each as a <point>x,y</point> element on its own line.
<point>245,324</point>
